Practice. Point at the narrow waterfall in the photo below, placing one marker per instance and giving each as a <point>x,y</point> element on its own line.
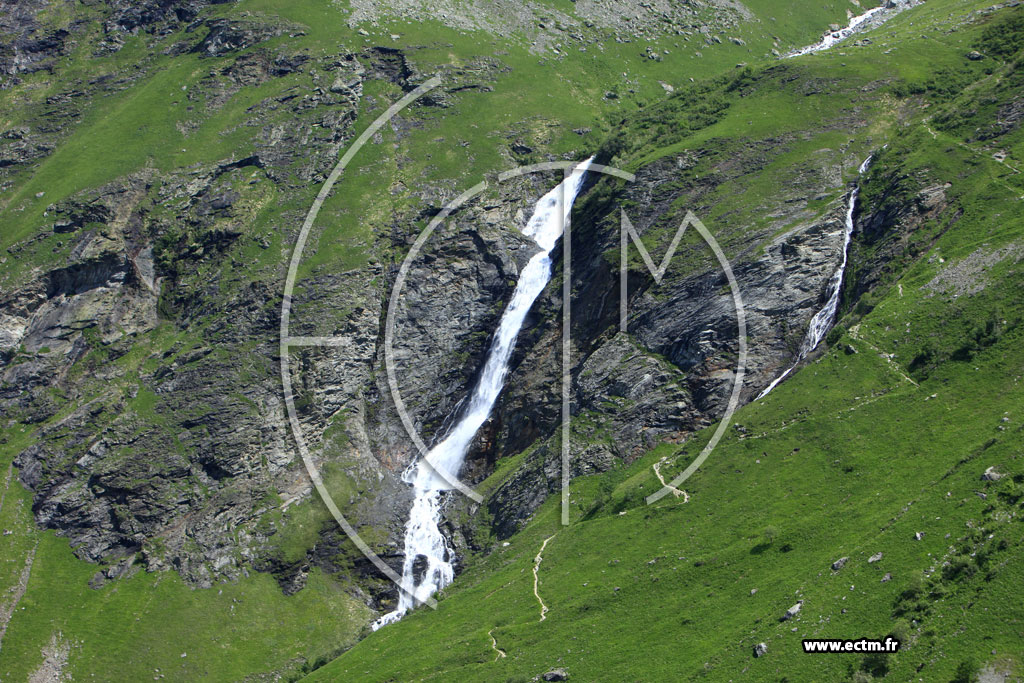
<point>822,321</point>
<point>880,14</point>
<point>428,558</point>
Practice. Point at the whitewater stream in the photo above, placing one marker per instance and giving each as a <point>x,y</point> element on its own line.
<point>870,19</point>
<point>822,321</point>
<point>428,558</point>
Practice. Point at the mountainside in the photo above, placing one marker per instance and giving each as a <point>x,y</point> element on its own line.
<point>157,163</point>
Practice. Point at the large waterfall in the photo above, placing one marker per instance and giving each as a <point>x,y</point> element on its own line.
<point>428,567</point>
<point>823,319</point>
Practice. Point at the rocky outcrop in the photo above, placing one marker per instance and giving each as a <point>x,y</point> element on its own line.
<point>154,465</point>
<point>226,35</point>
<point>27,45</point>
<point>148,347</point>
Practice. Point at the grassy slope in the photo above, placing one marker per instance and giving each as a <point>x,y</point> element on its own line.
<point>131,627</point>
<point>848,458</point>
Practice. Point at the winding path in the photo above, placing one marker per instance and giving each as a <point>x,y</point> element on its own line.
<point>675,492</point>
<point>494,646</point>
<point>536,579</point>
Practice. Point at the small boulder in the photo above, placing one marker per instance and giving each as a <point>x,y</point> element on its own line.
<point>761,649</point>
<point>556,675</point>
<point>792,611</point>
<point>839,564</point>
<point>975,56</point>
<point>919,536</point>
<point>875,558</point>
<point>887,577</point>
<point>991,474</point>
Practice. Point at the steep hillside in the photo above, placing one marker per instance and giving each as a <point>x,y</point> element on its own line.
<point>879,487</point>
<point>157,161</point>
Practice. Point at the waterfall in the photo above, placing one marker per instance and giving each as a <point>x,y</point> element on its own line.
<point>883,12</point>
<point>428,558</point>
<point>822,321</point>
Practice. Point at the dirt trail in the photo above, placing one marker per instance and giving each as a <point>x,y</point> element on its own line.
<point>887,357</point>
<point>536,580</point>
<point>675,492</point>
<point>984,155</point>
<point>494,646</point>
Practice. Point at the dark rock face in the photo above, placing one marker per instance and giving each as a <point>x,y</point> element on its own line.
<point>673,373</point>
<point>226,36</point>
<point>19,146</point>
<point>891,211</point>
<point>28,46</point>
<point>391,64</point>
<point>452,300</point>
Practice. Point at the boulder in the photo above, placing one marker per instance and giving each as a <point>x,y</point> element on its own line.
<point>991,474</point>
<point>792,611</point>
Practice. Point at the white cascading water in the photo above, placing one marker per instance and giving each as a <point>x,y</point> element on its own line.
<point>822,321</point>
<point>423,537</point>
<point>884,12</point>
